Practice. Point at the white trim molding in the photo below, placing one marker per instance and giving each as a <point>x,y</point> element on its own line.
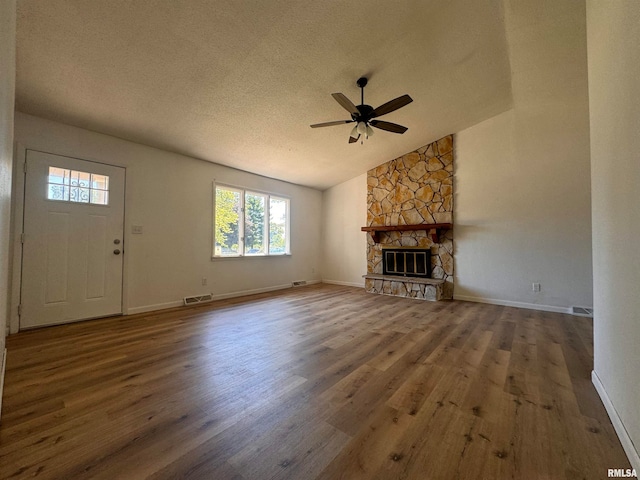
<point>17,198</point>
<point>345,284</point>
<point>152,308</point>
<point>221,296</point>
<point>2,369</point>
<point>508,303</point>
<point>242,293</point>
<point>623,435</point>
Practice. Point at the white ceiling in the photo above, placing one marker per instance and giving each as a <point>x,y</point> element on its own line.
<point>238,82</point>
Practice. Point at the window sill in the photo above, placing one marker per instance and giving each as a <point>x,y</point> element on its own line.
<point>236,257</point>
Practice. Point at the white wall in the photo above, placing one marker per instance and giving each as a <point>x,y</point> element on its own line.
<point>614,69</point>
<point>170,195</point>
<point>344,245</point>
<point>522,178</point>
<point>522,209</point>
<point>7,95</point>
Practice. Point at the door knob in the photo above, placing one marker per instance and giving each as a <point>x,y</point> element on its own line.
<point>117,241</point>
<point>116,252</point>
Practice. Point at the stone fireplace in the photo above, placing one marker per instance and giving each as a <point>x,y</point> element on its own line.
<point>410,209</point>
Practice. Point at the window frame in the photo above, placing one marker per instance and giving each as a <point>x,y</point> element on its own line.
<point>242,222</point>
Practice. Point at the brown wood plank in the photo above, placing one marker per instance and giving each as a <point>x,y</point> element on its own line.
<point>322,382</point>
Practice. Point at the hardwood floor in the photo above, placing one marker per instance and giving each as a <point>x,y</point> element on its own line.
<point>321,382</point>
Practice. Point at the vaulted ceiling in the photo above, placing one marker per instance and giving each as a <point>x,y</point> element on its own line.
<point>238,82</point>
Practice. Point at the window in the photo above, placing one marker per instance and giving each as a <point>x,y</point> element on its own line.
<point>79,187</point>
<point>248,223</point>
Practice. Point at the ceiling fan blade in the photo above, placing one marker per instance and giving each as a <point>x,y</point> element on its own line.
<point>391,105</point>
<point>346,103</point>
<point>388,126</point>
<point>330,124</point>
<point>354,140</point>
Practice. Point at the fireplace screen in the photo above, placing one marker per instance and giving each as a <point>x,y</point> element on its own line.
<point>407,262</point>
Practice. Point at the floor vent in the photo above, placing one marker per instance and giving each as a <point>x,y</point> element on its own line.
<point>299,283</point>
<point>198,299</point>
<point>582,311</point>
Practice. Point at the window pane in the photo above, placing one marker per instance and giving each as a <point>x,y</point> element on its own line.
<point>254,224</point>
<point>79,195</point>
<point>227,223</point>
<point>99,197</point>
<point>278,226</point>
<point>80,187</point>
<point>249,223</point>
<point>58,175</point>
<point>58,192</point>
<point>80,179</point>
<point>99,182</point>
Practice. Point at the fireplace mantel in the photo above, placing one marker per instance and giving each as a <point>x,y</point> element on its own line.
<point>434,229</point>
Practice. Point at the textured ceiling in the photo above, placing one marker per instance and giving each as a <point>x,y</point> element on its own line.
<point>239,82</point>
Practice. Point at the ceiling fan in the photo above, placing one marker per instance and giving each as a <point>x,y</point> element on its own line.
<point>364,115</point>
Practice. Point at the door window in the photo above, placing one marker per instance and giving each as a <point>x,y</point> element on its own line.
<point>74,186</point>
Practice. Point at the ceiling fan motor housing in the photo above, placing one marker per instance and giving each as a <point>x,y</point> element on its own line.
<point>365,113</point>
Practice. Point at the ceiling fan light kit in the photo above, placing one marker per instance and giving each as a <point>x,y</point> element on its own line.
<point>369,131</point>
<point>364,115</point>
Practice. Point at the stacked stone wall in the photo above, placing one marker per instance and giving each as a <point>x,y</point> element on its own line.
<point>416,188</point>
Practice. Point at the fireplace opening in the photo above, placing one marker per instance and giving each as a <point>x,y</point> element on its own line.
<point>407,262</point>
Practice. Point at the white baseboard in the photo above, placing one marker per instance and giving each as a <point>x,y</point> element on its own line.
<point>242,293</point>
<point>507,303</point>
<point>2,368</point>
<point>221,296</point>
<point>157,306</point>
<point>627,443</point>
<point>340,282</point>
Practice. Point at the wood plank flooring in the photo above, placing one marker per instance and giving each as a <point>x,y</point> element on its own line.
<point>320,382</point>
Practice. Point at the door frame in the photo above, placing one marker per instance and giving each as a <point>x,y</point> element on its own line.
<point>17,228</point>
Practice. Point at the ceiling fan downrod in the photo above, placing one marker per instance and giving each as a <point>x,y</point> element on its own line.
<point>362,129</point>
<point>362,82</point>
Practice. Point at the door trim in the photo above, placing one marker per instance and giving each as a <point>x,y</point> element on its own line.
<point>17,228</point>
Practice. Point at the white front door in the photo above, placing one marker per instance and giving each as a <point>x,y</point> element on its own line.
<point>73,240</point>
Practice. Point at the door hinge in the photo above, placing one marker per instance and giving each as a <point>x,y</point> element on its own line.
<point>22,238</point>
<point>25,166</point>
<point>20,310</point>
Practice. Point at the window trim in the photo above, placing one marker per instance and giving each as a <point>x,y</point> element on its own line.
<point>243,192</point>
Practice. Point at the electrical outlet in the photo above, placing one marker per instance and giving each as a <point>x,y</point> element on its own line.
<point>313,269</point>
<point>204,281</point>
<point>535,287</point>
